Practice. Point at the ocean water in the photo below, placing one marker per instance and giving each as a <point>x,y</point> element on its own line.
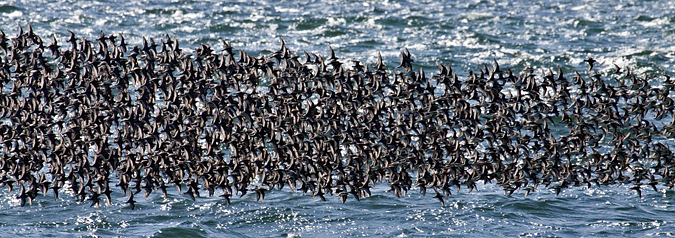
<point>518,34</point>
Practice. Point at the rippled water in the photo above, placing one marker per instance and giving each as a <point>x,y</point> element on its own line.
<point>518,34</point>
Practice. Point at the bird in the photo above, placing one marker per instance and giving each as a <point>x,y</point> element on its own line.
<point>590,61</point>
<point>617,69</point>
<point>637,189</point>
<point>440,198</point>
<point>131,201</point>
<point>260,194</point>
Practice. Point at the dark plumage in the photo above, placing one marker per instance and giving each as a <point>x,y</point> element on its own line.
<point>591,62</point>
<point>159,115</point>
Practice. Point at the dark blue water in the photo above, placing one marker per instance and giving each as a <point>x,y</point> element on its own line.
<point>518,34</point>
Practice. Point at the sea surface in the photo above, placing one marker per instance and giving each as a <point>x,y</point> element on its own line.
<point>518,34</point>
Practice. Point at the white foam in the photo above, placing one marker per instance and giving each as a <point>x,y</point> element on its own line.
<point>14,14</point>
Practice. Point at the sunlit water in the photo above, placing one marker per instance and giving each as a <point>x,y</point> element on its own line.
<point>518,34</point>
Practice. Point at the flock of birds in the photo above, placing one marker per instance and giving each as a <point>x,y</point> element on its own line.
<point>94,117</point>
